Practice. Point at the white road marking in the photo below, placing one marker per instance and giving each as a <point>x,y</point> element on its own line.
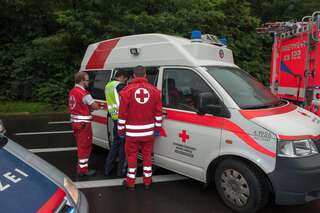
<point>118,182</point>
<point>59,122</point>
<point>43,133</point>
<point>53,149</point>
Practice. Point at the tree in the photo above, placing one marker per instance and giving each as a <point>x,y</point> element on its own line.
<point>39,55</point>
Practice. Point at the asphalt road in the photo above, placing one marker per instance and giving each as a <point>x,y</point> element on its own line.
<point>50,137</point>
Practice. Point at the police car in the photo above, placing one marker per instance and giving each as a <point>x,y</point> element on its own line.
<point>220,124</point>
<point>29,184</point>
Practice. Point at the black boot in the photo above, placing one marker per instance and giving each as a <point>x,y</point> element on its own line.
<point>89,173</point>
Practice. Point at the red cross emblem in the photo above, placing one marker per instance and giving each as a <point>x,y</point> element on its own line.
<point>72,102</point>
<point>184,136</point>
<point>142,95</point>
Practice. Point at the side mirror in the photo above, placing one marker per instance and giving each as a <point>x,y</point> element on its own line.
<point>210,109</point>
<point>209,103</point>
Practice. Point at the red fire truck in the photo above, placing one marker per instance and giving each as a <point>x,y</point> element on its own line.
<point>295,63</point>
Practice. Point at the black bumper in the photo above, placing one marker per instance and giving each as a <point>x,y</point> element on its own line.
<point>296,180</point>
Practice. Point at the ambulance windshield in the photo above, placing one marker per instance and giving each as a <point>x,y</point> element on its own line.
<point>245,90</point>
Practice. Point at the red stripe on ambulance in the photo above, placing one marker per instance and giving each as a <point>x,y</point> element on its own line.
<point>101,53</point>
<point>218,122</point>
<point>99,119</point>
<point>298,137</point>
<point>250,114</point>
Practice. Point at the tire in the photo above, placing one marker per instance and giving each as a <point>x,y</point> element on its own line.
<point>242,187</point>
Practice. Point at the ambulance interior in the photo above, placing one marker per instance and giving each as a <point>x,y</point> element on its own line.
<point>177,91</point>
<point>152,74</point>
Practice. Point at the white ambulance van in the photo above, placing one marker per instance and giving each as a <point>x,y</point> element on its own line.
<point>221,125</point>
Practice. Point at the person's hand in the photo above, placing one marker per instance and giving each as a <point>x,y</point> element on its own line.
<point>157,133</point>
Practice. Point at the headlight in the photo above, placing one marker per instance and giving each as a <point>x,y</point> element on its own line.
<point>71,189</point>
<point>294,149</point>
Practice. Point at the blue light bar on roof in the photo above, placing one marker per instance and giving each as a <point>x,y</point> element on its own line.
<point>196,34</point>
<point>223,40</point>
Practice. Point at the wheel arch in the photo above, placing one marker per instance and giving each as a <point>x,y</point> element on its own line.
<point>213,165</point>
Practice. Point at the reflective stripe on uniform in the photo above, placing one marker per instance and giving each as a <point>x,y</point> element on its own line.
<point>120,127</point>
<point>131,170</point>
<point>139,134</point>
<point>77,121</point>
<point>147,174</point>
<point>147,126</point>
<point>83,160</point>
<point>147,171</point>
<point>158,118</point>
<point>158,124</point>
<point>147,168</point>
<point>82,117</point>
<point>83,165</point>
<point>132,176</point>
<point>120,121</point>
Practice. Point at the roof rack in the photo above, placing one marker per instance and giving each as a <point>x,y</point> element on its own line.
<point>290,28</point>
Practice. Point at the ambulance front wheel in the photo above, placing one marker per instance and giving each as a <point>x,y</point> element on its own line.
<point>242,187</point>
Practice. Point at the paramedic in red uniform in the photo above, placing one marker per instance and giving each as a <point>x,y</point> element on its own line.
<point>140,117</point>
<point>80,105</point>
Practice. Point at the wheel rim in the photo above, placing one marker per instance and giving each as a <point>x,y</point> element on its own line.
<point>235,187</point>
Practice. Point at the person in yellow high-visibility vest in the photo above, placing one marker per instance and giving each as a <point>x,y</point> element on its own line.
<point>112,90</point>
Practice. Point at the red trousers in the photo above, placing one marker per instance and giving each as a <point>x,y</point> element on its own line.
<point>132,149</point>
<point>83,135</point>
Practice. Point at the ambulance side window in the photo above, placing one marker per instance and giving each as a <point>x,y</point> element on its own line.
<point>152,74</point>
<point>98,80</point>
<point>181,88</point>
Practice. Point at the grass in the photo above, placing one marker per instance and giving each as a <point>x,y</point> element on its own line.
<point>31,107</point>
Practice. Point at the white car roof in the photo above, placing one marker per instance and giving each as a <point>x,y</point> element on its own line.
<point>154,50</point>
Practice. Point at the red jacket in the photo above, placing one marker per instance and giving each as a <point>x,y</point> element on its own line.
<point>140,112</point>
<point>80,112</point>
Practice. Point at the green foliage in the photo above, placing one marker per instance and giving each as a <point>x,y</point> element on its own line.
<point>43,41</point>
<point>283,10</point>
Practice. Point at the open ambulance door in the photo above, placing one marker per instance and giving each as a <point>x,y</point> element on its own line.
<point>98,80</point>
<point>188,137</point>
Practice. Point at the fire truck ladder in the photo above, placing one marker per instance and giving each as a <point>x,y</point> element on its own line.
<point>309,24</point>
<point>313,31</point>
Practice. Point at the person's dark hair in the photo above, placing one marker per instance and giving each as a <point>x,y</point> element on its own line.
<point>139,71</point>
<point>79,76</point>
<point>121,73</point>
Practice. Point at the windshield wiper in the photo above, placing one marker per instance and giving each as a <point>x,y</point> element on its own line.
<point>265,105</point>
<point>256,107</point>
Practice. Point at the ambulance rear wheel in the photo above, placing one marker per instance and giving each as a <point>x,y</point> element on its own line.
<point>242,187</point>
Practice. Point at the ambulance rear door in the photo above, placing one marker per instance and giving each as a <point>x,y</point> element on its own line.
<point>98,80</point>
<point>189,139</point>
